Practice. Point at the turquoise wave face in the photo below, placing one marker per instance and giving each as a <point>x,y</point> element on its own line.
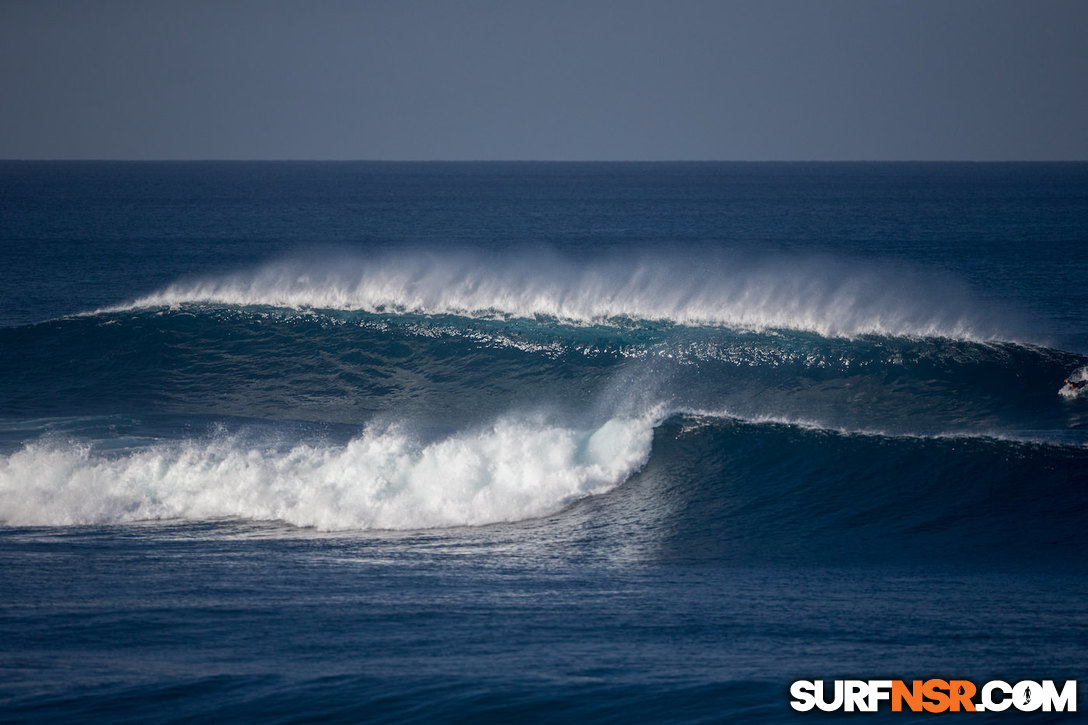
<point>444,371</point>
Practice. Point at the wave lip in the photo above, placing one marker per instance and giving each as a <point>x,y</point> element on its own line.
<point>513,470</point>
<point>694,419</point>
<point>830,298</point>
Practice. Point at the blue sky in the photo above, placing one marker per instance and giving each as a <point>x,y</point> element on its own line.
<point>549,80</point>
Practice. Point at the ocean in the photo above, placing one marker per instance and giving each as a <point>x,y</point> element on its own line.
<point>537,442</point>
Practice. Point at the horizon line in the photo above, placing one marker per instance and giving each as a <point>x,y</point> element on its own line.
<point>537,161</point>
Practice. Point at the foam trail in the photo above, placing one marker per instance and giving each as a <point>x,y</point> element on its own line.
<point>513,470</point>
<point>830,298</point>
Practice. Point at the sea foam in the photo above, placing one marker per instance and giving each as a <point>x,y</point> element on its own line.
<point>828,297</point>
<point>1079,375</point>
<point>514,469</point>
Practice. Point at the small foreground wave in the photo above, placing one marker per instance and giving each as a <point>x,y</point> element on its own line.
<point>691,485</point>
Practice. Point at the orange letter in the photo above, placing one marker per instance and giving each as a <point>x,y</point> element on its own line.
<point>933,690</point>
<point>961,692</point>
<point>913,696</point>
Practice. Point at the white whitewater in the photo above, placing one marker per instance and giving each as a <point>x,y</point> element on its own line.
<point>514,469</point>
<point>827,297</point>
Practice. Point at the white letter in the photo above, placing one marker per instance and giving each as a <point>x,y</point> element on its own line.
<point>803,700</point>
<point>1064,701</point>
<point>879,690</point>
<point>988,700</point>
<point>856,692</point>
<point>834,704</point>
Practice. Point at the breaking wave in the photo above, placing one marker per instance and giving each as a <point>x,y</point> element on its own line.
<point>761,369</point>
<point>828,297</point>
<point>384,479</point>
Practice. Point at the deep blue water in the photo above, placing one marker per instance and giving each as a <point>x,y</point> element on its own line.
<point>535,442</point>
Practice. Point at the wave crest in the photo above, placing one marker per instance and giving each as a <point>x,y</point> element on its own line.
<point>830,298</point>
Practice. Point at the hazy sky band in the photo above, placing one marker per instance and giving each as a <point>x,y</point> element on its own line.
<point>550,80</point>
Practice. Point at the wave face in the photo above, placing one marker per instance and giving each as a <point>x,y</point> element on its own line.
<point>756,492</point>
